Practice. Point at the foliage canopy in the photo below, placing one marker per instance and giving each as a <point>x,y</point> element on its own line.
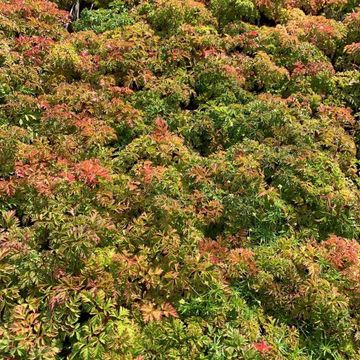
<point>179,180</point>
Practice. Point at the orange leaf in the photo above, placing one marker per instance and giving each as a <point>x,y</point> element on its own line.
<point>150,313</point>
<point>168,310</point>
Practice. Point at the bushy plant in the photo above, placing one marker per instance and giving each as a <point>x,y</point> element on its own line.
<point>227,11</point>
<point>179,180</point>
<point>100,20</point>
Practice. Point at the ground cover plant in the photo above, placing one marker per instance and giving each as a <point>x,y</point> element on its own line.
<point>179,179</point>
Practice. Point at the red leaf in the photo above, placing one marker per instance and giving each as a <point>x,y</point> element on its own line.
<point>262,346</point>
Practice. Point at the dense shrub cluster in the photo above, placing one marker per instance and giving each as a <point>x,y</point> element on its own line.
<point>179,180</point>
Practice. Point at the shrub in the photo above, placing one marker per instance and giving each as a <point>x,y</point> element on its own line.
<point>227,11</point>
<point>101,20</point>
<point>179,180</point>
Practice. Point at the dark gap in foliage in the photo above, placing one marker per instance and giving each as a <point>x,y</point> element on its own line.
<point>66,348</point>
<point>213,230</point>
<point>266,21</point>
<point>84,316</point>
<point>25,220</point>
<point>192,105</point>
<point>136,87</point>
<point>44,238</point>
<point>24,293</point>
